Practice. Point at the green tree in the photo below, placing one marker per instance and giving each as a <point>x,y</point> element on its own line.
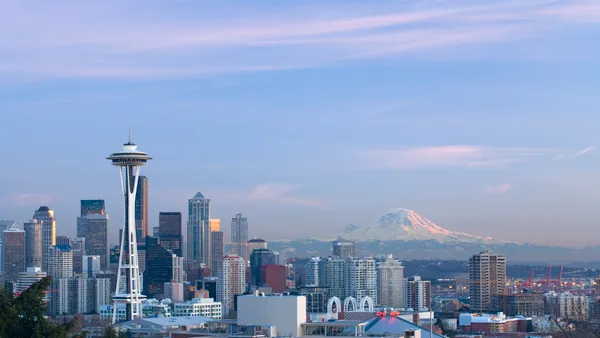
<point>24,316</point>
<point>110,332</point>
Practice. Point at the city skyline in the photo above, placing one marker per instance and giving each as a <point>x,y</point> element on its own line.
<point>480,116</point>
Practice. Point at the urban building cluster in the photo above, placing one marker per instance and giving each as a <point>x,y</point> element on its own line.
<point>156,284</point>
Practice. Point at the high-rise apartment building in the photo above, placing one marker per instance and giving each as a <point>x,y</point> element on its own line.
<point>258,259</point>
<point>217,246</point>
<point>487,272</point>
<point>362,278</point>
<point>33,243</point>
<point>169,231</point>
<point>344,249</point>
<point>13,254</point>
<point>390,280</point>
<point>336,273</point>
<point>94,228</point>
<point>231,282</point>
<point>60,262</point>
<point>198,230</point>
<point>141,209</point>
<point>46,216</point>
<point>239,236</point>
<point>92,207</point>
<point>417,294</point>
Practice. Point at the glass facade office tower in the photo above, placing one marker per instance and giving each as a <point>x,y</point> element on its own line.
<point>94,228</point>
<point>13,254</point>
<point>46,216</point>
<point>239,236</point>
<point>141,209</point>
<point>33,244</point>
<point>92,207</point>
<point>169,231</point>
<point>198,230</point>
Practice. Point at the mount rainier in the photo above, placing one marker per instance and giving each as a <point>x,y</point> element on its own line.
<point>408,225</point>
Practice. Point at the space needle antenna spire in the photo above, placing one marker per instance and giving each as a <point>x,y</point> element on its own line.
<point>128,290</point>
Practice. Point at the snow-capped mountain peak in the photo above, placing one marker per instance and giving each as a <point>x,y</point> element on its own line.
<point>406,224</point>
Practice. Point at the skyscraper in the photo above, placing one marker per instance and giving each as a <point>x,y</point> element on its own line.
<point>418,294</point>
<point>92,207</point>
<point>487,272</point>
<point>255,243</point>
<point>231,282</point>
<point>217,247</point>
<point>129,160</point>
<point>169,231</point>
<point>60,262</point>
<point>13,254</point>
<point>312,272</point>
<point>362,278</point>
<point>390,280</point>
<point>78,249</point>
<point>344,249</point>
<point>141,209</point>
<point>215,224</point>
<point>46,216</point>
<point>198,241</point>
<point>159,267</point>
<point>33,244</point>
<point>63,240</point>
<point>94,228</point>
<point>258,259</point>
<point>239,236</point>
<point>336,273</point>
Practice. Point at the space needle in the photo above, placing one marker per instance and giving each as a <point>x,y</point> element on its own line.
<point>129,160</point>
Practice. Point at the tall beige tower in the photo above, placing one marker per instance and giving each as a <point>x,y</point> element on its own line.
<point>487,272</point>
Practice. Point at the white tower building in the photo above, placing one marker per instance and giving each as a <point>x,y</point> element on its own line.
<point>390,283</point>
<point>130,160</point>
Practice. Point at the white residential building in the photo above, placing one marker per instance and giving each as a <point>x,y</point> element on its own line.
<point>232,281</point>
<point>390,283</point>
<point>178,269</point>
<point>565,305</point>
<point>28,278</point>
<point>205,307</point>
<point>362,278</point>
<point>60,262</point>
<point>417,294</point>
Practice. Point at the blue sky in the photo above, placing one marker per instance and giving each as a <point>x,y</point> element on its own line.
<point>307,116</point>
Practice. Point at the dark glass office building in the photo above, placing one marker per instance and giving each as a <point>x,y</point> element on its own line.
<point>92,207</point>
<point>141,209</point>
<point>159,267</point>
<point>258,259</point>
<point>169,231</point>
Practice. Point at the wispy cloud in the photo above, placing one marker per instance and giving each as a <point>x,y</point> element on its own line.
<point>559,157</point>
<point>109,40</point>
<point>497,189</point>
<point>447,156</point>
<point>278,193</point>
<point>583,152</point>
<point>29,199</point>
